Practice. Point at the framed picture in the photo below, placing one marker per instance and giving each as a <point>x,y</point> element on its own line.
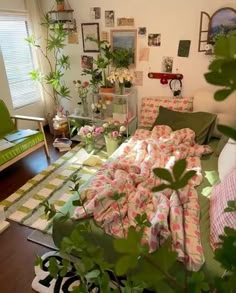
<point>90,30</point>
<point>125,39</point>
<point>222,22</point>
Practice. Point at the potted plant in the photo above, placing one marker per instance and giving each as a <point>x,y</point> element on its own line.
<point>60,5</point>
<point>103,64</point>
<point>57,63</point>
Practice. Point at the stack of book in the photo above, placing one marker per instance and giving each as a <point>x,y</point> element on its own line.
<point>62,144</point>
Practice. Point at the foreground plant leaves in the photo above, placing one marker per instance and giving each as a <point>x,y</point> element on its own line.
<point>181,176</point>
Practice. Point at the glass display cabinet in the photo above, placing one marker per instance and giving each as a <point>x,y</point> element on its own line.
<point>105,107</point>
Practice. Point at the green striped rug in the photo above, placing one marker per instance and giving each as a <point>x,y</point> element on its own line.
<point>52,184</point>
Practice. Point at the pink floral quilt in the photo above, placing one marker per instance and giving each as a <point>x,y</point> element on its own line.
<point>131,174</point>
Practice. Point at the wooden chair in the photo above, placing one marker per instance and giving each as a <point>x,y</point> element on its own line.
<point>22,146</point>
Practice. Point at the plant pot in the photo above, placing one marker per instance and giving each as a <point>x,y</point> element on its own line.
<point>111,145</point>
<point>61,6</point>
<point>107,90</point>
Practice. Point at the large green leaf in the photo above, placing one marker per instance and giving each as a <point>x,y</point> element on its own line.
<point>217,78</point>
<point>164,257</point>
<point>129,245</point>
<point>160,187</point>
<point>221,95</point>
<point>53,267</point>
<point>125,263</point>
<point>228,131</point>
<point>179,168</point>
<point>231,206</point>
<point>197,283</point>
<point>164,174</point>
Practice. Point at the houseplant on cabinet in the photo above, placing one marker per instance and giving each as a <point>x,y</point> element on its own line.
<point>51,79</point>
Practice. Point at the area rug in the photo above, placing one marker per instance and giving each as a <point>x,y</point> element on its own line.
<point>44,283</point>
<point>52,184</point>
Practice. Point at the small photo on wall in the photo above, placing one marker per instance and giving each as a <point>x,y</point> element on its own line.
<point>167,64</point>
<point>184,47</point>
<point>95,12</point>
<point>142,31</point>
<point>86,62</point>
<point>154,40</point>
<point>109,18</point>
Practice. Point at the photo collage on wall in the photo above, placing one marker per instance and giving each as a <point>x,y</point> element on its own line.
<point>153,40</point>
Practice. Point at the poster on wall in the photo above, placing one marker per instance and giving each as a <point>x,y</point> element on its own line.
<point>142,31</point>
<point>105,36</point>
<point>125,39</point>
<point>138,78</point>
<point>109,18</point>
<point>125,21</point>
<point>86,62</point>
<point>73,38</point>
<point>90,32</point>
<point>95,13</point>
<point>184,46</point>
<point>154,40</point>
<point>167,64</point>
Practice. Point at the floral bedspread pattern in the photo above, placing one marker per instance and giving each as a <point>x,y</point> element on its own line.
<point>131,174</point>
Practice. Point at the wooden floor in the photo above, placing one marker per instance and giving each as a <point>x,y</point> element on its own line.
<point>17,254</point>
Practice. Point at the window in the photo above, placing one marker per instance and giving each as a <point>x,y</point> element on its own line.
<point>18,59</point>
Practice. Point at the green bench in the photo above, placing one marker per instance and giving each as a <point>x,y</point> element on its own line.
<point>23,146</point>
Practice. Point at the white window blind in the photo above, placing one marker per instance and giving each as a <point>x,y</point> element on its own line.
<point>18,59</point>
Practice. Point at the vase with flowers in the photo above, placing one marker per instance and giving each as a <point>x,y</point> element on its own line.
<point>112,132</point>
<point>82,89</point>
<point>88,133</point>
<point>120,76</point>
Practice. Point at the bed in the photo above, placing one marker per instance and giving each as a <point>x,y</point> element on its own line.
<point>208,162</point>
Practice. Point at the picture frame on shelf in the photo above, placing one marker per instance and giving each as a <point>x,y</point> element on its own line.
<point>125,39</point>
<point>222,21</point>
<point>90,30</point>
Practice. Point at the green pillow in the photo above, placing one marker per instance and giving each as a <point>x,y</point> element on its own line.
<point>202,123</point>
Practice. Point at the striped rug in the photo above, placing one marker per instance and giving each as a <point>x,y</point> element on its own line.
<point>52,184</point>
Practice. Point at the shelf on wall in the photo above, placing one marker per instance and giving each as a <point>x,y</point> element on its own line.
<point>64,17</point>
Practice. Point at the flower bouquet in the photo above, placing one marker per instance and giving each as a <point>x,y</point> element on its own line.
<point>121,76</point>
<point>88,134</point>
<point>112,132</point>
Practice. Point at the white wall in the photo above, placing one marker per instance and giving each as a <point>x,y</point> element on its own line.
<point>175,20</point>
<point>32,110</point>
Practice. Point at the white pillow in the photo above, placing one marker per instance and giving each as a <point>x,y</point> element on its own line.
<point>225,110</point>
<point>227,159</point>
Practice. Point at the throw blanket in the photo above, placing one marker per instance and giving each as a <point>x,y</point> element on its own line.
<point>131,174</point>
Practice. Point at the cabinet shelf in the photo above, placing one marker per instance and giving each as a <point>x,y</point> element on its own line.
<point>113,107</point>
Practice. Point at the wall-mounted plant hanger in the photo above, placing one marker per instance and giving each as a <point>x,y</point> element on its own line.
<point>165,77</point>
<point>63,14</point>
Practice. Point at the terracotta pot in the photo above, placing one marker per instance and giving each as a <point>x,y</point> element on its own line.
<point>61,6</point>
<point>107,90</point>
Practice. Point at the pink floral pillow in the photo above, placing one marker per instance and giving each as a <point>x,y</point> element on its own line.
<point>221,194</point>
<point>150,108</point>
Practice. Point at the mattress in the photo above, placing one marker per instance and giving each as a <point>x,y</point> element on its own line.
<point>211,267</point>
